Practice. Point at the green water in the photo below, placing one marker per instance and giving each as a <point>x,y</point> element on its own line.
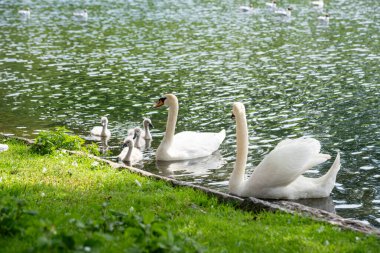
<point>297,77</point>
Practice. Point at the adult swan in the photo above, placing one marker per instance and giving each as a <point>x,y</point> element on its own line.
<point>184,145</point>
<point>279,175</point>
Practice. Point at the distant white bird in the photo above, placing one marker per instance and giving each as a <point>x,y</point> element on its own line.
<point>3,147</point>
<point>246,8</point>
<point>272,5</point>
<point>284,12</point>
<point>318,3</point>
<point>325,18</point>
<point>25,13</point>
<point>81,14</point>
<point>102,130</point>
<point>130,154</point>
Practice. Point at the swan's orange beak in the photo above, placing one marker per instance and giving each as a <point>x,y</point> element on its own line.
<point>159,102</point>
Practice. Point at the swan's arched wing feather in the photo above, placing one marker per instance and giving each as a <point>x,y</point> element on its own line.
<point>197,144</point>
<point>288,160</point>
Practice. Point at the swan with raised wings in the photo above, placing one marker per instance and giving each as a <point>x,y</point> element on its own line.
<point>185,145</point>
<point>279,174</point>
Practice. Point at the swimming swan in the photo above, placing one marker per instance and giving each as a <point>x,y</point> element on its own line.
<point>246,8</point>
<point>139,141</point>
<point>279,174</point>
<point>130,154</point>
<point>318,3</point>
<point>3,147</point>
<point>284,12</point>
<point>184,145</point>
<point>272,5</point>
<point>325,18</point>
<point>81,14</point>
<point>145,134</point>
<point>24,13</point>
<point>101,130</point>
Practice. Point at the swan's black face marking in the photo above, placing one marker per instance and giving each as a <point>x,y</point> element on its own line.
<point>233,116</point>
<point>127,144</point>
<point>137,133</point>
<point>160,102</point>
<point>150,125</point>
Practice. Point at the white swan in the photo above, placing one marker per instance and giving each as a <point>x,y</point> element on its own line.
<point>246,8</point>
<point>284,12</point>
<point>81,14</point>
<point>325,18</point>
<point>25,13</point>
<point>3,147</point>
<point>318,3</point>
<point>279,174</point>
<point>139,141</point>
<point>272,5</point>
<point>130,154</point>
<point>145,134</point>
<point>102,130</point>
<point>184,145</point>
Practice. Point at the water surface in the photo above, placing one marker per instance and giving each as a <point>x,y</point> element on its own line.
<point>296,76</point>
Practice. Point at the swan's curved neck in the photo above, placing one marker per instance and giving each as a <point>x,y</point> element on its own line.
<point>127,157</point>
<point>104,129</point>
<point>171,122</point>
<point>237,176</point>
<point>137,141</point>
<point>148,135</point>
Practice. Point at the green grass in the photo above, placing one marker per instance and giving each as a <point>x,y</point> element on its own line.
<point>66,203</point>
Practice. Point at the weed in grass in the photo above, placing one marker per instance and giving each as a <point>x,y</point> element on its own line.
<point>12,217</point>
<point>49,141</point>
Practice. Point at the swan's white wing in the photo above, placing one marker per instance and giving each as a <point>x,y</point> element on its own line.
<point>196,144</point>
<point>288,160</point>
<point>97,130</point>
<point>136,155</point>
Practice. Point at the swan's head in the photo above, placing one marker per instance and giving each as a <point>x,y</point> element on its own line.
<point>237,109</point>
<point>147,123</point>
<point>104,121</point>
<point>168,99</point>
<point>128,142</point>
<point>137,133</point>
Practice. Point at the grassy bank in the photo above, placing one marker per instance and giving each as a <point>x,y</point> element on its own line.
<point>65,203</point>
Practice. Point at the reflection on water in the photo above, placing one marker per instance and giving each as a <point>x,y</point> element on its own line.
<point>326,204</point>
<point>296,76</point>
<point>191,168</point>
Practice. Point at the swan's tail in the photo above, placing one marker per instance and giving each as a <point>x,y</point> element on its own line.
<point>328,180</point>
